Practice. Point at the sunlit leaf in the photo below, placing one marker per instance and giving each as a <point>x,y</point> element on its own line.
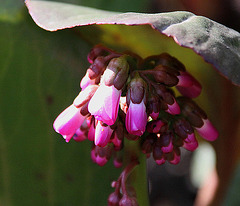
<point>216,43</point>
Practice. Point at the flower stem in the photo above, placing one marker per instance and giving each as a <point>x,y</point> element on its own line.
<point>138,177</point>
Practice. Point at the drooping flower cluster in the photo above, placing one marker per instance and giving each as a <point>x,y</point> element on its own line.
<point>124,96</point>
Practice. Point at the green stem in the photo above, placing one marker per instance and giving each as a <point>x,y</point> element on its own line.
<point>138,177</point>
<point>141,183</point>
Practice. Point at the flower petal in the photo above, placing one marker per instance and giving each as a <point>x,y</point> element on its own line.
<point>68,122</point>
<point>105,103</point>
<point>188,86</point>
<point>207,131</point>
<point>102,135</point>
<point>136,118</point>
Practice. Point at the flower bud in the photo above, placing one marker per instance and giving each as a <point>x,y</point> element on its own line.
<point>190,143</point>
<point>117,137</point>
<point>168,98</point>
<point>147,145</point>
<point>207,131</point>
<point>193,113</point>
<point>162,59</point>
<point>86,81</point>
<point>105,103</point>
<point>182,128</point>
<point>136,118</point>
<point>153,105</point>
<point>102,154</point>
<point>166,142</point>
<point>165,75</point>
<point>155,126</point>
<point>97,68</point>
<point>68,122</point>
<point>128,200</point>
<point>103,134</point>
<point>80,135</point>
<point>91,132</point>
<point>114,199</point>
<point>96,51</point>
<point>176,156</point>
<point>157,153</point>
<point>188,86</point>
<point>117,162</point>
<point>119,66</point>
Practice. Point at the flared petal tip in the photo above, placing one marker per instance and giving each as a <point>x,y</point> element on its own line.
<point>68,122</point>
<point>173,109</point>
<point>208,131</point>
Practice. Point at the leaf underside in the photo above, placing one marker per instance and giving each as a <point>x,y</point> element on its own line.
<point>217,44</point>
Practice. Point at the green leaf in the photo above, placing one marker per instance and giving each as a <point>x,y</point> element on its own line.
<point>216,43</point>
<point>39,77</point>
<point>10,10</point>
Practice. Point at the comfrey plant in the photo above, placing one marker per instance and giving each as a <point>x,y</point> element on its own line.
<point>125,98</point>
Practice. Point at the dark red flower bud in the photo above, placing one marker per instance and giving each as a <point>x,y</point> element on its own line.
<point>147,145</point>
<point>97,68</point>
<point>193,113</point>
<point>155,126</point>
<point>157,152</point>
<point>182,128</point>
<point>128,201</point>
<point>114,199</point>
<point>166,142</point>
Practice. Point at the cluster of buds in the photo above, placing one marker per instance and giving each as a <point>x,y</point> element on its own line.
<point>124,96</point>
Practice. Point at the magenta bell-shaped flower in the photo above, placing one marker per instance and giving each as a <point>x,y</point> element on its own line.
<point>207,131</point>
<point>136,118</point>
<point>188,86</point>
<point>174,108</point>
<point>68,122</point>
<point>176,157</point>
<point>190,143</point>
<point>105,103</point>
<point>86,81</point>
<point>102,134</point>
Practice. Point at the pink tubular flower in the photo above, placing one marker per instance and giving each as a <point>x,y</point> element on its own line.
<point>190,143</point>
<point>136,118</point>
<point>154,115</point>
<point>155,126</point>
<point>176,156</point>
<point>86,81</point>
<point>68,122</point>
<point>80,135</point>
<point>174,108</point>
<point>207,131</point>
<point>188,86</point>
<point>102,134</point>
<point>105,103</point>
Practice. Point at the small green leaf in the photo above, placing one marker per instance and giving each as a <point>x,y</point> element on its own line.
<point>216,43</point>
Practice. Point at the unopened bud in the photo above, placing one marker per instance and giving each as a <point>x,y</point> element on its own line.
<point>97,68</point>
<point>182,128</point>
<point>128,200</point>
<point>166,142</point>
<point>114,199</point>
<point>148,143</point>
<point>137,90</point>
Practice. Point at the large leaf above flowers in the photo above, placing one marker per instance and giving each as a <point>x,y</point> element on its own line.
<point>216,43</point>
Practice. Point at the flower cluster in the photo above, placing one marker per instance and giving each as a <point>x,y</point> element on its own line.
<point>124,96</point>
